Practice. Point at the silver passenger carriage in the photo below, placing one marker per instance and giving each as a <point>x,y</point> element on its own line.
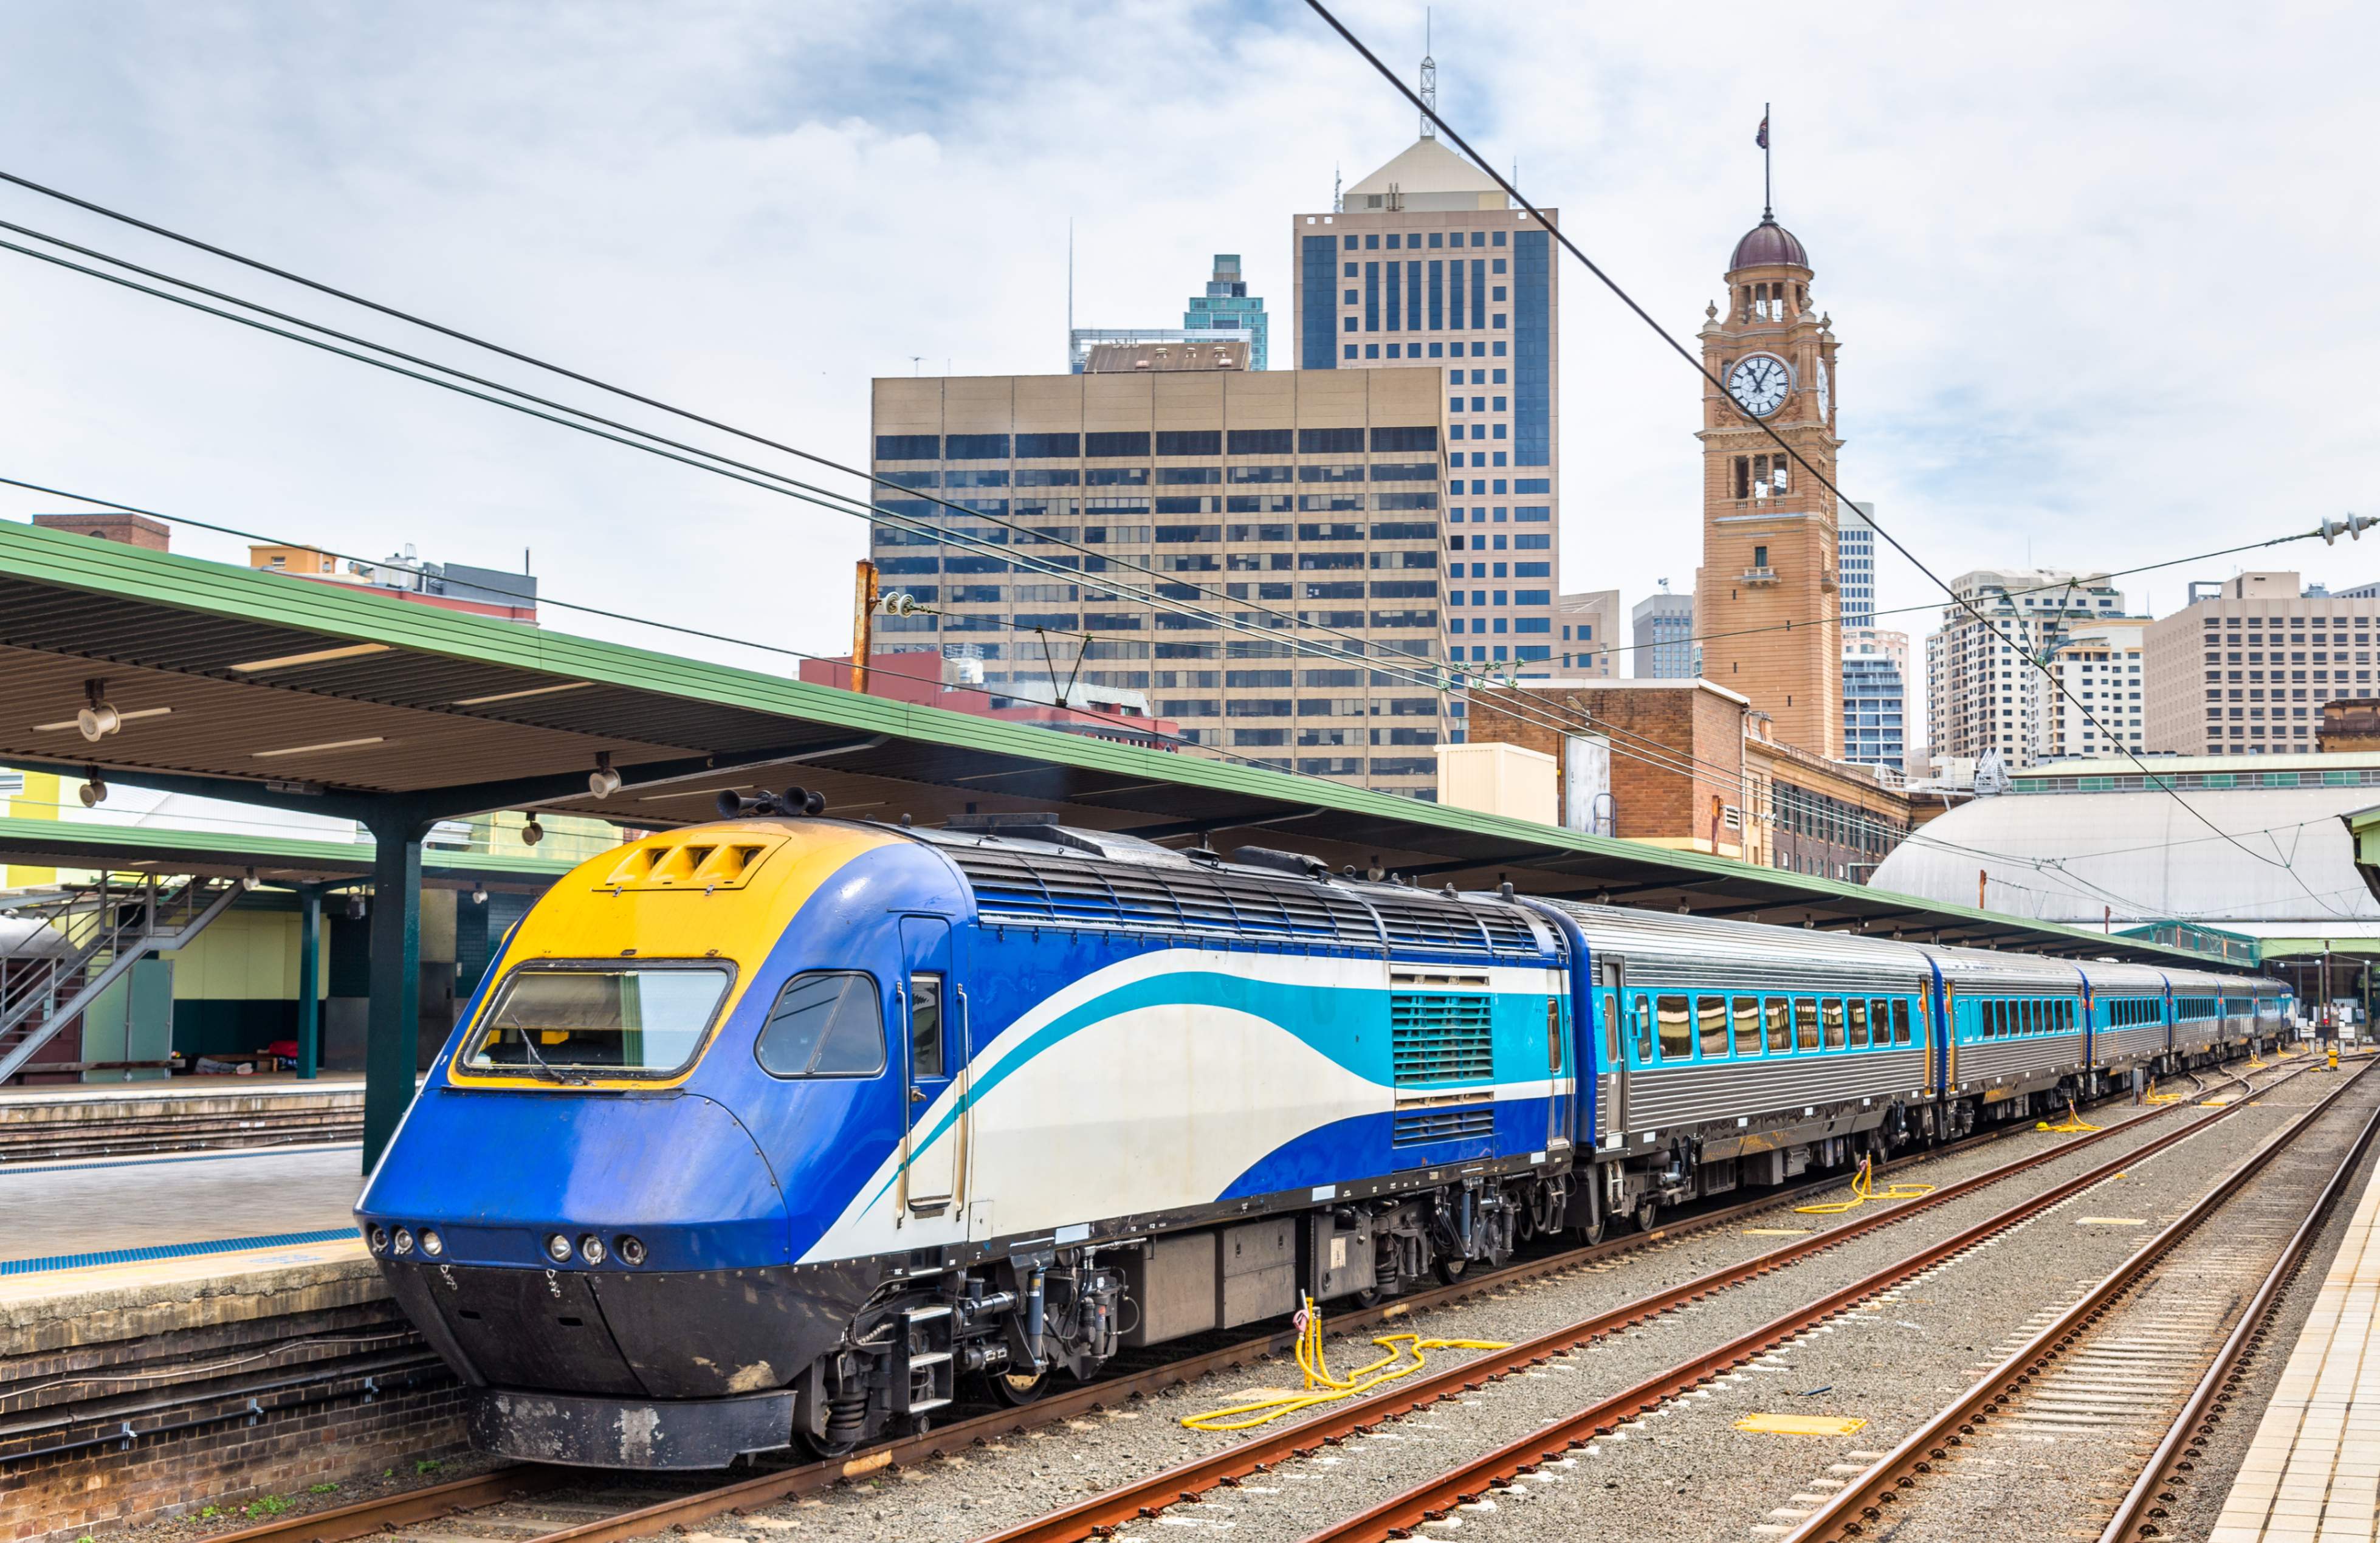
<point>1732,1053</point>
<point>2016,1042</point>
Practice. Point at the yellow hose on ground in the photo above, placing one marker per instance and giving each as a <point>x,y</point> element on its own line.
<point>2066,1127</point>
<point>1362,1380</point>
<point>1863,1190</point>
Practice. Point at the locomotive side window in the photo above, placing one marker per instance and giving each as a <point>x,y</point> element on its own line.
<point>1611,1028</point>
<point>639,1019</point>
<point>1805,1023</point>
<point>1711,1018</point>
<point>1747,1025</point>
<point>925,1026</point>
<point>1677,1030</point>
<point>1858,1023</point>
<point>1900,1021</point>
<point>1780,1011</point>
<point>1553,1037</point>
<point>825,1024</point>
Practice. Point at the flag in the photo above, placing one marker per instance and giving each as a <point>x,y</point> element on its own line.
<point>1761,139</point>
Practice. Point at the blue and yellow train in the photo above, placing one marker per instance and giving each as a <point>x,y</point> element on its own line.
<point>789,1129</point>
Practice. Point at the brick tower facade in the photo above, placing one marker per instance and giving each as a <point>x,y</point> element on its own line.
<point>1768,527</point>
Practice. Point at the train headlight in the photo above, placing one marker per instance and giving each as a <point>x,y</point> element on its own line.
<point>591,1249</point>
<point>431,1244</point>
<point>557,1248</point>
<point>404,1242</point>
<point>630,1247</point>
<point>378,1239</point>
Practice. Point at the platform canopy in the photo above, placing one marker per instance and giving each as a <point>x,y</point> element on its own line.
<point>317,698</point>
<point>323,698</point>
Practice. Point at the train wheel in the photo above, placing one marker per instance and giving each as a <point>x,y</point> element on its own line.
<point>1451,1268</point>
<point>1016,1389</point>
<point>1591,1233</point>
<point>1649,1212</point>
<point>819,1445</point>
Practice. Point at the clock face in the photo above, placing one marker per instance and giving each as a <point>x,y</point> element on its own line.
<point>1759,383</point>
<point>1825,396</point>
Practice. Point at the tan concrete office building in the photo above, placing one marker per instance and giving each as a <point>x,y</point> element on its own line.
<point>2245,668</point>
<point>1982,696</point>
<point>1299,501</point>
<point>1422,267</point>
<point>1588,623</point>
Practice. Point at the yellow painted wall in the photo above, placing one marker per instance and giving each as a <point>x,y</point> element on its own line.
<point>39,801</point>
<point>247,956</point>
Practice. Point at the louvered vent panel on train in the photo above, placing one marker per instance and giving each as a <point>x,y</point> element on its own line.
<point>1420,924</point>
<point>1014,886</point>
<point>1440,1037</point>
<point>1423,1127</point>
<point>1507,933</point>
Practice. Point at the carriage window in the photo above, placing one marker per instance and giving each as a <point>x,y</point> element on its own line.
<point>1805,1023</point>
<point>925,1026</point>
<point>1677,1030</point>
<point>637,1019</point>
<point>1831,1013</point>
<point>1879,1011</point>
<point>1711,1016</point>
<point>1858,1023</point>
<point>1779,1013</point>
<point>827,1023</point>
<point>1747,1025</point>
<point>1643,1030</point>
<point>1900,1021</point>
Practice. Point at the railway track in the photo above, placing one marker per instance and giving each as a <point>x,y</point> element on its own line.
<point>27,1142</point>
<point>2124,1363</point>
<point>520,1503</point>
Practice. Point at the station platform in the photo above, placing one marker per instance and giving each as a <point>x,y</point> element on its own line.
<point>2313,1469</point>
<point>62,1120</point>
<point>72,1216</point>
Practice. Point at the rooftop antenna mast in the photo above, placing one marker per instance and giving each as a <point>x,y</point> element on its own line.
<point>1069,292</point>
<point>1428,82</point>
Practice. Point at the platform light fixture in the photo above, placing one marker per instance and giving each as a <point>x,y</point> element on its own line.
<point>354,906</point>
<point>478,895</point>
<point>603,782</point>
<point>531,832</point>
<point>93,791</point>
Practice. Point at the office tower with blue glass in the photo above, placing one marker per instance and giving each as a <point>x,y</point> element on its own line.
<point>1228,305</point>
<point>1424,265</point>
<point>1876,693</point>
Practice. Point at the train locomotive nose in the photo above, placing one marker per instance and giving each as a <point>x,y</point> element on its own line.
<point>580,1236</point>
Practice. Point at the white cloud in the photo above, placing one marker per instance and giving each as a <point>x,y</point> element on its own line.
<point>2099,274</point>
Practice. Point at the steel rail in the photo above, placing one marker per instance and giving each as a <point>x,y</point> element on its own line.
<point>2146,1504</point>
<point>366,1518</point>
<point>1861,1504</point>
<point>1145,1496</point>
<point>1434,1499</point>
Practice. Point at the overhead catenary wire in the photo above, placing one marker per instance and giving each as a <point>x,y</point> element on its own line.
<point>1824,482</point>
<point>1564,716</point>
<point>607,428</point>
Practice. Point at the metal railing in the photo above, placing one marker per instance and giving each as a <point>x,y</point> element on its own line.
<point>73,945</point>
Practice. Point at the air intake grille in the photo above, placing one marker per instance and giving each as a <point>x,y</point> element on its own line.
<point>1423,1126</point>
<point>1440,1037</point>
<point>1037,889</point>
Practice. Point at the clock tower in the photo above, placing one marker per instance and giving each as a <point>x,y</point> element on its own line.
<point>1768,527</point>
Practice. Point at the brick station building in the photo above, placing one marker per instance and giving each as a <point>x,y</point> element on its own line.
<point>1690,765</point>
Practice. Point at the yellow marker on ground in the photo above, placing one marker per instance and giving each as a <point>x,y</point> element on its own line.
<point>1799,1425</point>
<point>1777,1232</point>
<point>2109,1222</point>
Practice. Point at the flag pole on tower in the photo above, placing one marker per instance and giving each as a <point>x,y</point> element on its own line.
<point>1768,201</point>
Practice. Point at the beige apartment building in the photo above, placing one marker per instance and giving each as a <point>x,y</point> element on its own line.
<point>1423,268</point>
<point>1589,624</point>
<point>2246,667</point>
<point>1289,501</point>
<point>2100,711</point>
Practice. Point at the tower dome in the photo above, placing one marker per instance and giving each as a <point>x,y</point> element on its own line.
<point>1767,243</point>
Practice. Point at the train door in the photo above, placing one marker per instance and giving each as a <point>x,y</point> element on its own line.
<point>1608,994</point>
<point>935,1126</point>
<point>1561,1076</point>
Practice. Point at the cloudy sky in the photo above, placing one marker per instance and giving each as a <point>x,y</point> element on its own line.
<point>2100,272</point>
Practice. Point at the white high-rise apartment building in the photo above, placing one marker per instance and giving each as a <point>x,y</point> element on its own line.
<point>2100,712</point>
<point>1982,692</point>
<point>1855,565</point>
